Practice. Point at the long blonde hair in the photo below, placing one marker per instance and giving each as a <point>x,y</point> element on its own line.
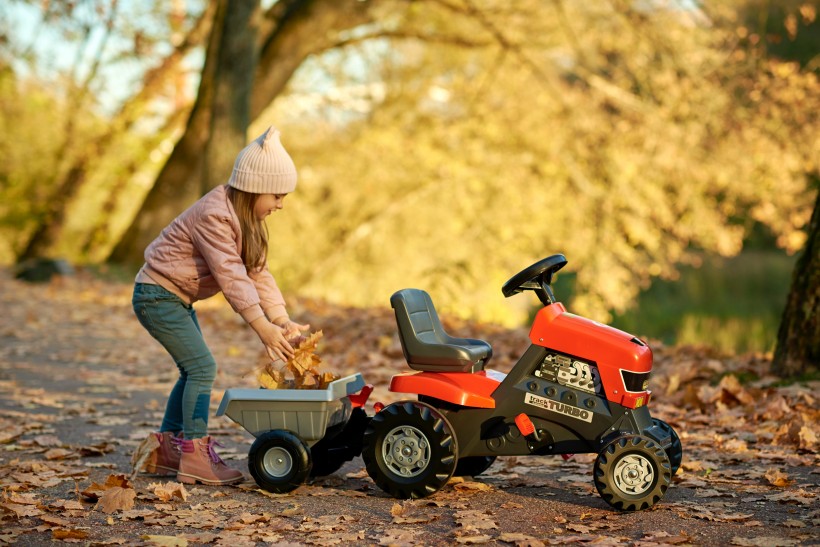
<point>254,231</point>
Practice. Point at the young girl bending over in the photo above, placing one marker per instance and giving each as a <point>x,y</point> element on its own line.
<point>219,244</point>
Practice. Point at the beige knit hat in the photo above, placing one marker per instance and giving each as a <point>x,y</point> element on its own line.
<point>264,167</point>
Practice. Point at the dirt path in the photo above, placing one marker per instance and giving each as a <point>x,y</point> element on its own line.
<point>81,384</point>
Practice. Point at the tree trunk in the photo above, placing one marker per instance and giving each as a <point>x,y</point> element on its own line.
<point>798,340</point>
<point>178,183</point>
<point>293,30</point>
<point>234,82</point>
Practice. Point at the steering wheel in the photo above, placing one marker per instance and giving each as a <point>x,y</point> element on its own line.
<point>537,277</point>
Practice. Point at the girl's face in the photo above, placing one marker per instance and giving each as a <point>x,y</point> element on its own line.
<point>267,204</point>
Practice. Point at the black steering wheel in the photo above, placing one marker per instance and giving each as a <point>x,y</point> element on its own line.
<point>537,277</point>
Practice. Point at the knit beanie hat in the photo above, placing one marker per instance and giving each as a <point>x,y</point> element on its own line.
<point>264,167</point>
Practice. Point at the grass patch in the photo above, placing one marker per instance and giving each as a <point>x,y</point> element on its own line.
<point>734,305</point>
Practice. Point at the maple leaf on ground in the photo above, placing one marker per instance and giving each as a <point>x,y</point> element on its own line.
<point>115,495</point>
<point>169,490</point>
<point>96,490</point>
<point>117,499</point>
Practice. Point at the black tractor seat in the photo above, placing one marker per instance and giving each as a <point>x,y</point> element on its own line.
<point>425,345</point>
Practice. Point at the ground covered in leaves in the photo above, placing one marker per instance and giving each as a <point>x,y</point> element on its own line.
<point>82,384</point>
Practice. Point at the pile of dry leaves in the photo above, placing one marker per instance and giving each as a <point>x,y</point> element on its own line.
<point>300,371</point>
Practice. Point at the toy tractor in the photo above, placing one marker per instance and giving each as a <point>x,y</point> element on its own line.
<point>580,387</point>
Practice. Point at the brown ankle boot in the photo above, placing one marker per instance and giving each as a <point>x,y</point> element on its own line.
<point>164,460</point>
<point>201,463</point>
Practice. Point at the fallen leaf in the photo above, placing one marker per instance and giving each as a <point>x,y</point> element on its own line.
<point>475,520</point>
<point>472,486</point>
<point>775,477</point>
<point>409,513</point>
<point>169,490</point>
<point>69,534</point>
<point>520,540</point>
<point>21,511</point>
<point>117,499</point>
<point>399,537</point>
<point>473,540</point>
<point>142,453</point>
<point>763,541</point>
<point>166,541</point>
<point>95,491</point>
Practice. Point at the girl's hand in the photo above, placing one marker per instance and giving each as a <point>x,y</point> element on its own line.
<point>293,332</point>
<point>273,336</point>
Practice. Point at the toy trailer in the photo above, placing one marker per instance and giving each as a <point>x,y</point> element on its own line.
<point>299,432</point>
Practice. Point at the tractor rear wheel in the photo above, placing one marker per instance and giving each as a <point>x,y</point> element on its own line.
<point>409,450</point>
<point>632,473</point>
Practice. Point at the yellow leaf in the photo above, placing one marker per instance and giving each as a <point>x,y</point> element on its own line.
<point>266,380</point>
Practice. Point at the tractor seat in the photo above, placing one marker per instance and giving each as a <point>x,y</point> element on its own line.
<point>425,345</point>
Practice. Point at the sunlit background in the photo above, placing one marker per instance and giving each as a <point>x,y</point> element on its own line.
<point>668,148</point>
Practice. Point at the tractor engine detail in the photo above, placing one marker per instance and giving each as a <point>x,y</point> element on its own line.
<point>566,371</point>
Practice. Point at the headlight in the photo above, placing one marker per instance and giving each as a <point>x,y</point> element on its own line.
<point>635,381</point>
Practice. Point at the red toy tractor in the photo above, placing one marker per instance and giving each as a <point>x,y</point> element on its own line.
<point>581,387</point>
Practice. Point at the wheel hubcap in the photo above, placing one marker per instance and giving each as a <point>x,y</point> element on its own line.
<point>277,462</point>
<point>633,475</point>
<point>406,451</point>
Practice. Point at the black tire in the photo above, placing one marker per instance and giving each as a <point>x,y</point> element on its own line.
<point>331,453</point>
<point>675,451</point>
<point>279,461</point>
<point>410,450</point>
<point>473,466</point>
<point>632,473</point>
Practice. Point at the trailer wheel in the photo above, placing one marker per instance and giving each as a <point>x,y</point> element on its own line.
<point>632,473</point>
<point>675,451</point>
<point>279,461</point>
<point>410,450</point>
<point>473,466</point>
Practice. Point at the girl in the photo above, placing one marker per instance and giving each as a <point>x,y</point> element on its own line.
<point>218,244</point>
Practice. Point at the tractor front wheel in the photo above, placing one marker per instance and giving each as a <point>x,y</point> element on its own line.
<point>632,473</point>
<point>409,450</point>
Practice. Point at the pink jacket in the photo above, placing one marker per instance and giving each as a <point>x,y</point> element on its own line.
<point>198,255</point>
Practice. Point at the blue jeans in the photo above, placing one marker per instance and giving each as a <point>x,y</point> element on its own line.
<point>173,324</point>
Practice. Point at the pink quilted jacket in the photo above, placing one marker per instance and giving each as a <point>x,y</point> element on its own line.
<point>198,255</point>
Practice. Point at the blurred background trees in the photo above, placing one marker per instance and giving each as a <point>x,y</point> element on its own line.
<point>444,144</point>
